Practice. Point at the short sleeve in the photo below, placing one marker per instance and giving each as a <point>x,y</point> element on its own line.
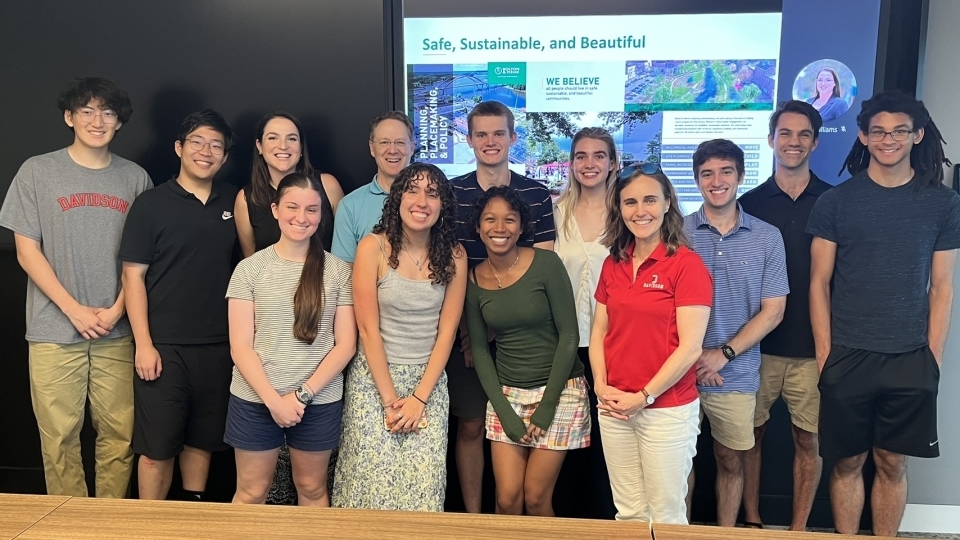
<point>823,218</point>
<point>241,284</point>
<point>949,235</point>
<point>544,228</point>
<point>145,184</point>
<point>344,241</point>
<point>774,266</point>
<point>606,273</point>
<point>345,293</point>
<point>20,213</point>
<point>139,241</point>
<point>694,286</point>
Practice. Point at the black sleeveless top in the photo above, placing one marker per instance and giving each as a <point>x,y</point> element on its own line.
<point>266,230</point>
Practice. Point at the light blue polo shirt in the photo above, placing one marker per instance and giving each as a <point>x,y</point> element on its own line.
<point>747,264</point>
<point>357,213</point>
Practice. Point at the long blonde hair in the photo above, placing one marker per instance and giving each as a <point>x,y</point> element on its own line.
<point>571,192</point>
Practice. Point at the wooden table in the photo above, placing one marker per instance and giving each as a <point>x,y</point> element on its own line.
<point>700,532</point>
<point>19,512</point>
<point>32,517</point>
<point>82,518</point>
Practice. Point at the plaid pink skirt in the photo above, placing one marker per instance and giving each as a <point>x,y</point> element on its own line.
<point>570,428</point>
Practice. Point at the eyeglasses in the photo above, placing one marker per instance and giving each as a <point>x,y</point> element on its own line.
<point>897,135</point>
<point>646,167</point>
<point>107,115</point>
<point>384,144</point>
<point>197,144</point>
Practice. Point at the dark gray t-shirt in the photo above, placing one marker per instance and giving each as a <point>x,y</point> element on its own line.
<point>885,242</point>
<point>77,215</point>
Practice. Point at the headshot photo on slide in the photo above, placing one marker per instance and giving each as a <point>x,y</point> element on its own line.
<point>828,85</point>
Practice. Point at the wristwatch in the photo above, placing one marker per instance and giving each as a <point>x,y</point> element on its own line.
<point>303,395</point>
<point>650,399</point>
<point>728,352</point>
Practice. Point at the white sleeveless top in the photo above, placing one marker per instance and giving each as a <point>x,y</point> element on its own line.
<point>583,261</point>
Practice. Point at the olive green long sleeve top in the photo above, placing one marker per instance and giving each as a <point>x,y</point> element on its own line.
<point>535,323</point>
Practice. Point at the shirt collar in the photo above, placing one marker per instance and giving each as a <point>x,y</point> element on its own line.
<point>815,187</point>
<point>659,253</point>
<point>744,221</point>
<point>375,187</point>
<point>178,189</point>
<point>472,178</point>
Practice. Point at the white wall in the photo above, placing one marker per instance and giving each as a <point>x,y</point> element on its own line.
<point>934,499</point>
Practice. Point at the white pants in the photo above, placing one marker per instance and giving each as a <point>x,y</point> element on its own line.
<point>648,459</point>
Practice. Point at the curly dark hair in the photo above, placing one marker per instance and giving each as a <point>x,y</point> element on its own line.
<point>443,234</point>
<point>78,94</point>
<point>926,157</point>
<point>512,198</point>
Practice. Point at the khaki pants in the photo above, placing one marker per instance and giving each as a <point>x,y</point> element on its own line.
<point>62,377</point>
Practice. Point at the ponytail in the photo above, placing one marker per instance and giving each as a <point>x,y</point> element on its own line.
<point>308,300</point>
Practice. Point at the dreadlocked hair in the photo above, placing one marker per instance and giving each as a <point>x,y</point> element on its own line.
<point>443,234</point>
<point>926,157</point>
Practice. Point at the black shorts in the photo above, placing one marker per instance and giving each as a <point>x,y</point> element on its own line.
<point>870,399</point>
<point>187,404</point>
<point>467,398</point>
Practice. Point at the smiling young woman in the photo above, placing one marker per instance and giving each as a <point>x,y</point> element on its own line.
<point>647,387</point>
<point>409,281</point>
<point>287,386</point>
<point>538,406</point>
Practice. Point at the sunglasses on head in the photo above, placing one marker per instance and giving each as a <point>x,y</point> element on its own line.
<point>646,167</point>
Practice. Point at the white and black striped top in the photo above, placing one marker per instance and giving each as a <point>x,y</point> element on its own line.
<point>467,190</point>
<point>270,283</point>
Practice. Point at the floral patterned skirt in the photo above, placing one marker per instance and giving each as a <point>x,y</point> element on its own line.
<point>380,470</point>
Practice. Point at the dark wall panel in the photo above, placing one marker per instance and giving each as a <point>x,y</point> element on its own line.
<point>322,61</point>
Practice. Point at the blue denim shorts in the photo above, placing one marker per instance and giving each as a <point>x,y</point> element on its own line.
<point>250,427</point>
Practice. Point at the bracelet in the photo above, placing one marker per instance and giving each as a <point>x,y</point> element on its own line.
<point>388,405</point>
<point>309,388</point>
<point>416,397</point>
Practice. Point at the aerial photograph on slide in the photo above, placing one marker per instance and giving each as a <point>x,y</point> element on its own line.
<point>700,85</point>
<point>440,97</point>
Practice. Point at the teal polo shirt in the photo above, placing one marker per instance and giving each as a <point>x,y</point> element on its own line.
<point>357,213</point>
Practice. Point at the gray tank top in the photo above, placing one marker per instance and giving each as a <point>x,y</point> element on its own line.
<point>409,317</point>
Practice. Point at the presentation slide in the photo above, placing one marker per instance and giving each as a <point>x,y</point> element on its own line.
<point>660,83</point>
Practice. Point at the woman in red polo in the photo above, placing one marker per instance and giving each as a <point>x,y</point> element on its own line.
<point>653,304</point>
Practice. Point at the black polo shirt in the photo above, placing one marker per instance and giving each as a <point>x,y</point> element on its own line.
<point>467,190</point>
<point>189,246</point>
<point>767,202</point>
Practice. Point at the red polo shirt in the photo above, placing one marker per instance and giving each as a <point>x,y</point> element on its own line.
<point>642,331</point>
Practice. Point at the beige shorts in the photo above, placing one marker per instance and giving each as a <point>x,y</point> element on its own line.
<point>796,380</point>
<point>731,417</point>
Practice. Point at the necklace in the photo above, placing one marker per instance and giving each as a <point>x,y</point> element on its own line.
<point>416,262</point>
<point>500,283</point>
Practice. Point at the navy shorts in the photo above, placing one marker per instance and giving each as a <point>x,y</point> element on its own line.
<point>870,399</point>
<point>187,404</point>
<point>250,427</point>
